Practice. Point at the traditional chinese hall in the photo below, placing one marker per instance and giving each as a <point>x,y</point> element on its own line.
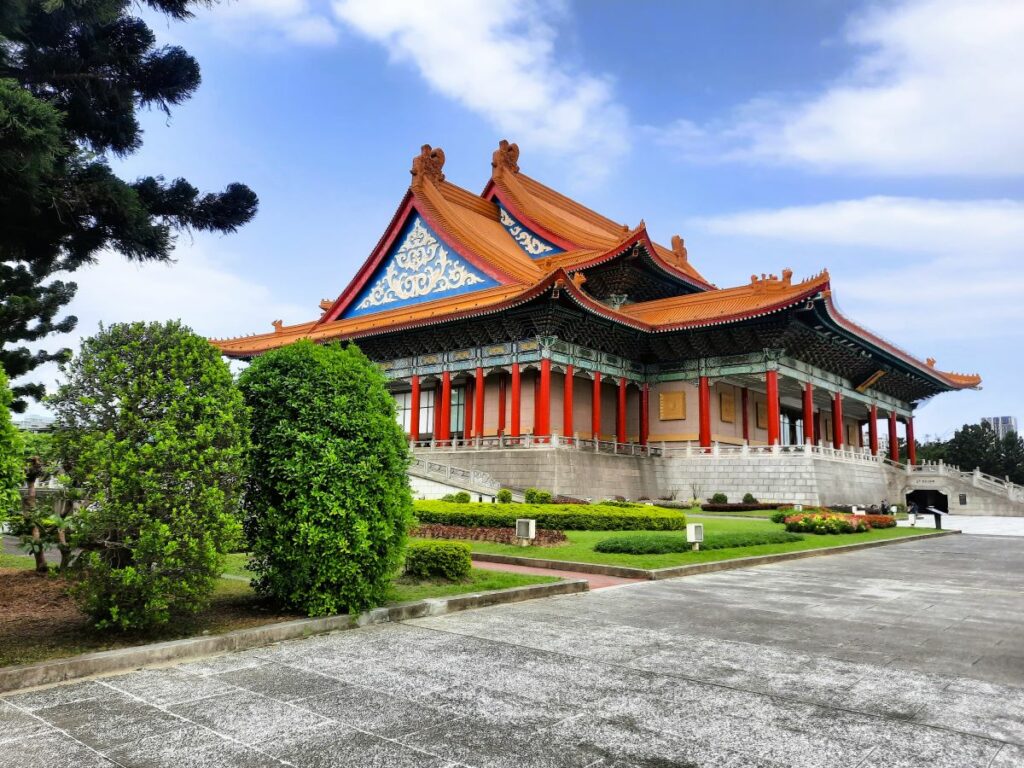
<point>518,318</point>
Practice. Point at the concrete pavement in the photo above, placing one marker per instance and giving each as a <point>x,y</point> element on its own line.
<point>909,655</point>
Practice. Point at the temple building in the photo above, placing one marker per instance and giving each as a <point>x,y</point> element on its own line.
<point>517,318</point>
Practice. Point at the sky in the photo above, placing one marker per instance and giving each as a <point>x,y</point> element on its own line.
<point>880,140</point>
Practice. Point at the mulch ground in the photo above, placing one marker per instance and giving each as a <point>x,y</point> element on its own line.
<point>39,620</point>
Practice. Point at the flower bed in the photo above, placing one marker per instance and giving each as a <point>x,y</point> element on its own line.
<point>481,533</point>
<point>558,517</point>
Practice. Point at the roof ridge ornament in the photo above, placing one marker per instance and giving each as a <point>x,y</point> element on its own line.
<point>679,249</point>
<point>427,166</point>
<point>505,158</point>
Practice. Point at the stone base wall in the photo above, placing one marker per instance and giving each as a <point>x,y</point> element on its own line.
<point>426,488</point>
<point>798,478</point>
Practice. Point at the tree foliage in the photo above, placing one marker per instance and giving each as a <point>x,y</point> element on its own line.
<point>152,428</point>
<point>12,470</point>
<point>978,446</point>
<point>328,500</point>
<point>73,75</point>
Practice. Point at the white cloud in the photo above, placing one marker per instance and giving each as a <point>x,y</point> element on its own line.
<point>302,22</point>
<point>976,229</point>
<point>499,60</point>
<point>935,90</point>
<point>925,270</point>
<point>204,292</point>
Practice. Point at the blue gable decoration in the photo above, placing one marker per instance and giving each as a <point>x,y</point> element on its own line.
<point>533,245</point>
<point>421,267</point>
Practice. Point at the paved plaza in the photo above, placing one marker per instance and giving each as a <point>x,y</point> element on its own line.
<point>901,656</point>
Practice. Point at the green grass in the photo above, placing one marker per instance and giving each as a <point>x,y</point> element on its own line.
<point>234,565</point>
<point>763,514</point>
<point>479,581</point>
<point>580,546</point>
<point>17,561</point>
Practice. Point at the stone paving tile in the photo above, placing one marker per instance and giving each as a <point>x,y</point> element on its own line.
<point>485,745</point>
<point>163,687</point>
<point>338,746</point>
<point>247,717</point>
<point>377,712</point>
<point>203,748</point>
<point>1009,757</point>
<point>485,704</point>
<point>58,694</point>
<point>278,681</point>
<point>226,663</point>
<point>49,749</point>
<point>109,721</point>
<point>16,724</point>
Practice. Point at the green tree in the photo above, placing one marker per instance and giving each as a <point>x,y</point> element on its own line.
<point>152,428</point>
<point>1013,457</point>
<point>12,470</point>
<point>975,445</point>
<point>35,526</point>
<point>328,501</point>
<point>73,74</point>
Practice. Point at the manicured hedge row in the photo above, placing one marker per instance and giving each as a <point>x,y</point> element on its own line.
<point>663,543</point>
<point>742,507</point>
<point>559,517</point>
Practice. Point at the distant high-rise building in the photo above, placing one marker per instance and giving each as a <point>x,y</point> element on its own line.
<point>1001,425</point>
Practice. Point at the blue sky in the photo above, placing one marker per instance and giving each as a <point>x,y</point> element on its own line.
<point>879,140</point>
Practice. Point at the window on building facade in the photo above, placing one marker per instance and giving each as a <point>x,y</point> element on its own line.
<point>458,421</point>
<point>404,413</point>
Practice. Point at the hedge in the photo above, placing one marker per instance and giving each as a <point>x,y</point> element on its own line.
<point>743,507</point>
<point>659,544</point>
<point>559,517</point>
<point>438,559</point>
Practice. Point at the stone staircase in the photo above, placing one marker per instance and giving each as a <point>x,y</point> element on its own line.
<point>452,479</point>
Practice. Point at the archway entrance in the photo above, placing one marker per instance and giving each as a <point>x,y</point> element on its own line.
<point>929,498</point>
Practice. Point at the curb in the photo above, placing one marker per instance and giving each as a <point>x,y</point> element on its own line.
<point>125,659</point>
<point>676,571</point>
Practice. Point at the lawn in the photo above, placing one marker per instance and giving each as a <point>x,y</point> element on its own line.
<point>762,514</point>
<point>580,547</point>
<point>39,621</point>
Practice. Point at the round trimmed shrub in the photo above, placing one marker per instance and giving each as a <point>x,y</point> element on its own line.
<point>153,431</point>
<point>328,501</point>
<point>504,496</point>
<point>438,560</point>
<point>462,497</point>
<point>749,498</point>
<point>719,498</point>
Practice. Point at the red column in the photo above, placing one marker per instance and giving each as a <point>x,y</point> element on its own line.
<point>478,404</point>
<point>645,411</point>
<point>437,411</point>
<point>771,380</point>
<point>414,409</point>
<point>894,445</point>
<point>595,407</point>
<point>501,403</point>
<point>704,411</point>
<point>620,414</point>
<point>567,425</point>
<point>911,446</point>
<point>544,409</point>
<point>516,392</point>
<point>873,429</point>
<point>745,407</point>
<point>809,413</point>
<point>837,420</point>
<point>444,429</point>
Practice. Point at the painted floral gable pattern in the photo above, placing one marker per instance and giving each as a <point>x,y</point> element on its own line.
<point>421,266</point>
<point>534,247</point>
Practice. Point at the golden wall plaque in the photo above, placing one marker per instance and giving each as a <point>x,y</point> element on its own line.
<point>762,415</point>
<point>727,406</point>
<point>672,406</point>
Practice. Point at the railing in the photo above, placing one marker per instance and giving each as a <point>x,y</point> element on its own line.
<point>538,441</point>
<point>471,479</point>
<point>977,479</point>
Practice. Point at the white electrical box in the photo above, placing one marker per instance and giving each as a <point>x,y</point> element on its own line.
<point>695,533</point>
<point>798,507</point>
<point>526,528</point>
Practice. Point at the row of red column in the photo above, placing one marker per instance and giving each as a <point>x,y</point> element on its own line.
<point>474,404</point>
<point>774,418</point>
<point>474,417</point>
